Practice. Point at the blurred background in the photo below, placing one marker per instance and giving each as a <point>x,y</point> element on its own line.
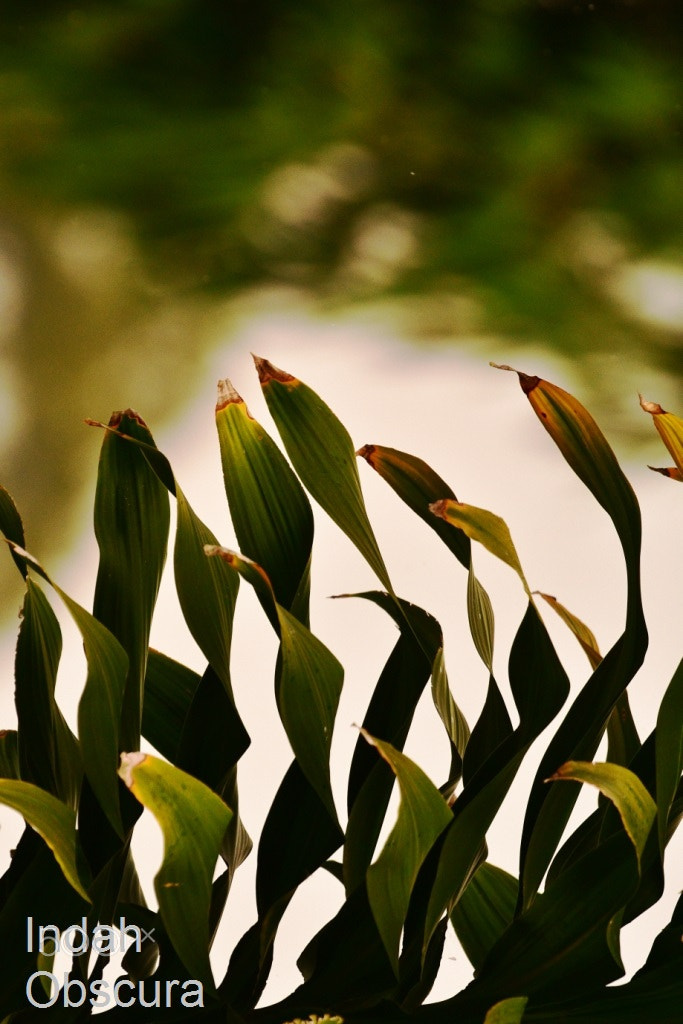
<point>380,196</point>
<point>456,172</point>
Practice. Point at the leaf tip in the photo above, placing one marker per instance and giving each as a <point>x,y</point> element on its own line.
<point>367,452</point>
<point>527,382</point>
<point>129,761</point>
<point>129,414</point>
<point>227,395</point>
<point>654,408</point>
<point>439,507</point>
<point>266,371</point>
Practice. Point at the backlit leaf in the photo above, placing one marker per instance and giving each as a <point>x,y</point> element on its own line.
<point>508,1011</point>
<point>52,820</point>
<point>269,508</point>
<point>669,751</point>
<point>670,429</point>
<point>193,821</point>
<point>422,816</point>
<point>484,911</point>
<point>636,807</point>
<point>322,454</point>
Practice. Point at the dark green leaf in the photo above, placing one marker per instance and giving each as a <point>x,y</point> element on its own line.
<point>484,911</point>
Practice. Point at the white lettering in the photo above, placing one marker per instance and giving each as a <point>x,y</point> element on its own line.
<point>157,993</point>
<point>104,939</point>
<point>44,936</point>
<point>98,990</point>
<point>78,930</point>
<point>132,930</point>
<point>198,994</point>
<point>29,934</point>
<point>117,989</point>
<point>54,984</point>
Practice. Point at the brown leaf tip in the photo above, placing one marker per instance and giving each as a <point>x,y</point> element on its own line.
<point>367,452</point>
<point>267,371</point>
<point>227,395</point>
<point>652,407</point>
<point>128,414</point>
<point>527,383</point>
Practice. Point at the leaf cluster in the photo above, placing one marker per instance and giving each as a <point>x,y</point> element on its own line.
<point>544,945</point>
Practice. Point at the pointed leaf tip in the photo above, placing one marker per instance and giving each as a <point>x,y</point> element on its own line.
<point>227,394</point>
<point>129,761</point>
<point>267,371</point>
<point>366,452</point>
<point>652,407</point>
<point>527,382</point>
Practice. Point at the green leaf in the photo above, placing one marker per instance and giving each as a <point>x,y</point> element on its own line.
<point>669,752</point>
<point>49,755</point>
<point>322,454</point>
<point>485,527</point>
<point>484,911</point>
<point>52,820</point>
<point>480,616</point>
<point>308,683</point>
<point>99,708</point>
<point>636,807</point>
<point>269,508</point>
<point>423,815</point>
<point>580,440</point>
<point>389,716</point>
<point>169,690</point>
<point>193,821</point>
<point>508,1011</point>
<point>131,526</point>
<point>540,686</point>
<point>418,486</point>
<point>452,718</point>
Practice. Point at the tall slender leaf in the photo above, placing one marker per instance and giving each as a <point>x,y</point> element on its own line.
<point>269,508</point>
<point>322,453</point>
<point>423,815</point>
<point>669,752</point>
<point>99,709</point>
<point>131,526</point>
<point>580,440</point>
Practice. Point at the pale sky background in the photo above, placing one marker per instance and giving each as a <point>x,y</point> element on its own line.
<point>475,427</point>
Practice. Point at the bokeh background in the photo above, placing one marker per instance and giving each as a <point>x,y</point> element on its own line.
<point>380,196</point>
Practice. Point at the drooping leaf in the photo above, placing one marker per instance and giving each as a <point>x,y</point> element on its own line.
<point>269,508</point>
<point>49,755</point>
<point>193,821</point>
<point>485,527</point>
<point>484,911</point>
<point>636,807</point>
<point>480,616</point>
<point>540,686</point>
<point>583,445</point>
<point>669,752</point>
<point>389,715</point>
<point>99,709</point>
<point>418,486</point>
<point>670,429</point>
<point>423,815</point>
<point>52,820</point>
<point>623,741</point>
<point>131,526</point>
<point>308,683</point>
<point>323,456</point>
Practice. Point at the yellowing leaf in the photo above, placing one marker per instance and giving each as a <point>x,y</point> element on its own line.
<point>636,807</point>
<point>193,821</point>
<point>485,527</point>
<point>670,429</point>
